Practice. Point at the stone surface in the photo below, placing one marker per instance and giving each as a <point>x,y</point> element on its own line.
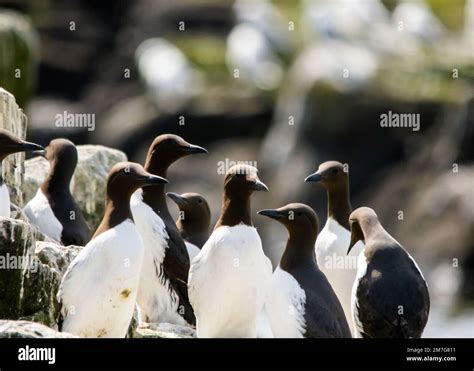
<point>14,120</point>
<point>164,330</point>
<point>27,329</point>
<point>39,302</point>
<point>30,272</point>
<point>89,181</point>
<point>17,243</point>
<point>56,256</point>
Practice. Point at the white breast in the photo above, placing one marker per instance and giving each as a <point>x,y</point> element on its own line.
<point>157,300</point>
<point>4,201</point>
<point>98,291</point>
<point>361,271</point>
<point>286,306</point>
<point>229,282</point>
<point>340,269</point>
<point>39,213</point>
<point>193,250</point>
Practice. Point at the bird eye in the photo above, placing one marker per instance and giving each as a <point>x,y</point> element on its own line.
<point>298,214</point>
<point>200,201</point>
<point>334,171</point>
<point>240,175</point>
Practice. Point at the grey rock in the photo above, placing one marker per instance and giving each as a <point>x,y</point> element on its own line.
<point>164,330</point>
<point>17,243</point>
<point>27,329</point>
<point>14,120</point>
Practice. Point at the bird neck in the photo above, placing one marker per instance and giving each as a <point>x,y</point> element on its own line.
<point>116,211</point>
<point>299,250</point>
<point>235,210</point>
<point>57,181</point>
<point>155,196</point>
<point>339,204</point>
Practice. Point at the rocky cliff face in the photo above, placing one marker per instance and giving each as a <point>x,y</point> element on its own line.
<point>31,265</point>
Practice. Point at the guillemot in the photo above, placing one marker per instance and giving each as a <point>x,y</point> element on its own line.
<point>53,208</point>
<point>302,302</point>
<point>193,221</point>
<point>230,278</point>
<point>331,244</point>
<point>98,291</point>
<point>10,144</point>
<point>163,292</point>
<point>390,296</point>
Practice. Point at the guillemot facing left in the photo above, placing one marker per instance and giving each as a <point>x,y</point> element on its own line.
<point>10,144</point>
<point>390,297</point>
<point>98,291</point>
<point>230,278</point>
<point>302,302</point>
<point>163,292</point>
<point>331,244</point>
<point>193,221</point>
<point>53,208</point>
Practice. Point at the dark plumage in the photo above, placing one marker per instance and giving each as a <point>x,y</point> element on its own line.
<point>391,295</point>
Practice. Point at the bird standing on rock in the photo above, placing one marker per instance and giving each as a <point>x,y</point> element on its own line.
<point>230,278</point>
<point>10,144</point>
<point>331,244</point>
<point>302,302</point>
<point>53,208</point>
<point>390,297</point>
<point>163,292</point>
<point>193,221</point>
<point>98,291</point>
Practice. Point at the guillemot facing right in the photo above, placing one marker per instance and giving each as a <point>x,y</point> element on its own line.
<point>98,291</point>
<point>163,292</point>
<point>193,221</point>
<point>331,244</point>
<point>10,144</point>
<point>53,208</point>
<point>302,302</point>
<point>390,297</point>
<point>230,278</point>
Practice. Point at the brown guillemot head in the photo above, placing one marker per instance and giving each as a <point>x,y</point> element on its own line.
<point>239,183</point>
<point>195,216</point>
<point>302,224</point>
<point>10,144</point>
<point>165,150</point>
<point>299,219</point>
<point>242,180</point>
<point>334,177</point>
<point>362,222</point>
<point>331,175</point>
<point>124,178</point>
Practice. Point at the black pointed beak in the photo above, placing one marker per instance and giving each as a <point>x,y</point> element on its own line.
<point>356,234</point>
<point>178,199</point>
<point>315,177</point>
<point>259,186</point>
<point>154,180</point>
<point>272,213</point>
<point>27,147</point>
<point>353,242</point>
<point>193,149</point>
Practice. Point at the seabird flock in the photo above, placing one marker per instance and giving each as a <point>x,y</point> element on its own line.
<point>140,260</point>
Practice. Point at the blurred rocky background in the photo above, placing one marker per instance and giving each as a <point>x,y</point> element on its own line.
<point>288,84</point>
